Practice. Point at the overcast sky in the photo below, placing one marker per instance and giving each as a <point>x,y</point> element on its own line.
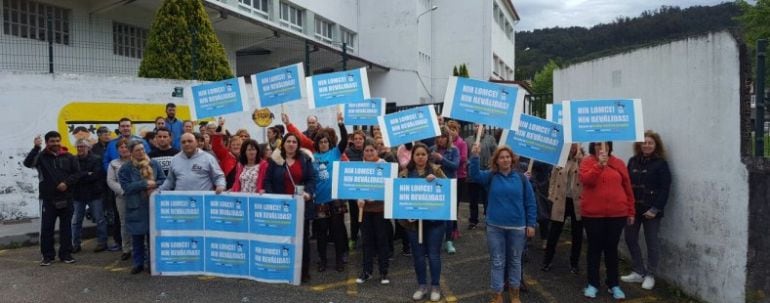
<point>564,13</point>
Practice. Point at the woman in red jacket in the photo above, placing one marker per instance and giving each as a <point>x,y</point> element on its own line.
<point>607,205</point>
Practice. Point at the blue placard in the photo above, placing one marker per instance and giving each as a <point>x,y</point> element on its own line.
<point>273,215</point>
<point>603,120</point>
<point>274,262</point>
<point>280,85</point>
<point>409,125</point>
<point>218,98</point>
<point>484,102</point>
<point>175,255</point>
<point>338,88</point>
<point>227,213</point>
<point>178,211</point>
<point>227,257</point>
<point>361,180</point>
<point>413,198</point>
<point>538,139</point>
<point>553,113</point>
<point>364,112</point>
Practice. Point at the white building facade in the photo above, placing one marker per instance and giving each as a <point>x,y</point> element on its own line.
<point>410,46</point>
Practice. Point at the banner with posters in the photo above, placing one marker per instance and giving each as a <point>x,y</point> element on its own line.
<point>233,235</point>
<point>218,98</point>
<point>409,125</point>
<point>280,85</point>
<point>416,198</point>
<point>538,139</point>
<point>364,112</point>
<point>361,180</point>
<point>553,112</point>
<point>338,88</point>
<point>603,120</point>
<point>484,102</point>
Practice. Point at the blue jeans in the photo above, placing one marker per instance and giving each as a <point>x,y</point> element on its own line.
<point>433,235</point>
<point>97,211</point>
<point>506,246</point>
<point>137,249</point>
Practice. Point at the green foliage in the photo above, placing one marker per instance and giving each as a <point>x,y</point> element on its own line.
<point>666,23</point>
<point>755,22</point>
<point>543,82</point>
<point>461,71</point>
<point>455,72</point>
<point>182,44</point>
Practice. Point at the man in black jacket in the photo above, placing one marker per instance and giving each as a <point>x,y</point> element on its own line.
<point>58,172</point>
<point>89,191</point>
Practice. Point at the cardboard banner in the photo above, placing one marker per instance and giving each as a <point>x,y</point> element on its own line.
<point>361,180</point>
<point>233,235</point>
<point>538,139</point>
<point>278,86</point>
<point>338,88</point>
<point>484,102</point>
<point>218,98</point>
<point>416,198</point>
<point>364,112</point>
<point>553,112</point>
<point>409,125</point>
<point>603,120</point>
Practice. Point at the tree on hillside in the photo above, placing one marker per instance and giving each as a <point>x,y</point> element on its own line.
<point>755,21</point>
<point>182,45</point>
<point>543,83</point>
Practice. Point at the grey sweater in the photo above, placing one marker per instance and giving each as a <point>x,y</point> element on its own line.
<point>199,172</point>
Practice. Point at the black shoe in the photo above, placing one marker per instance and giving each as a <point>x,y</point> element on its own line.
<point>322,267</point>
<point>305,278</point>
<point>137,269</point>
<point>100,248</point>
<point>68,260</point>
<point>574,270</point>
<point>46,262</point>
<point>125,256</point>
<point>546,267</point>
<point>472,226</point>
<point>76,249</point>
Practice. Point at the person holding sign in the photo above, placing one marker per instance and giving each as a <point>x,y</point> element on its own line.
<point>290,171</point>
<point>375,230</point>
<point>564,191</point>
<point>355,152</point>
<point>250,170</point>
<point>432,232</point>
<point>651,181</point>
<point>227,156</point>
<point>330,214</point>
<point>139,178</point>
<point>447,156</point>
<point>607,205</point>
<point>511,218</point>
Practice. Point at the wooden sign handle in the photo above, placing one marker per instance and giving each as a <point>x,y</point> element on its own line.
<point>419,231</point>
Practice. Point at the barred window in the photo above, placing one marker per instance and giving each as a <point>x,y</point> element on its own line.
<point>29,19</point>
<point>128,40</point>
<point>349,38</point>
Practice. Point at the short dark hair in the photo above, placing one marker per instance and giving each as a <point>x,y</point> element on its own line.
<point>170,105</point>
<point>51,134</point>
<point>163,129</point>
<point>124,119</point>
<point>592,147</point>
<point>80,129</point>
<point>102,130</point>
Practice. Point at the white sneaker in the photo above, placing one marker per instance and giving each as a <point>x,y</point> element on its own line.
<point>649,282</point>
<point>435,295</point>
<point>419,293</point>
<point>633,277</point>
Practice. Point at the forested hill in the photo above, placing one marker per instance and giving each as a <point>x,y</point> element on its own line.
<point>563,45</point>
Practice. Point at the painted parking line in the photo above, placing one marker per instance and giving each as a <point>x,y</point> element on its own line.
<point>448,295</point>
<point>643,300</point>
<point>351,285</point>
<point>537,287</point>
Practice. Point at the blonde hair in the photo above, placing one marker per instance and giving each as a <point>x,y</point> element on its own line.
<point>145,169</point>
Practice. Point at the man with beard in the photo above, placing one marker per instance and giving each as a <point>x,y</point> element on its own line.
<point>164,152</point>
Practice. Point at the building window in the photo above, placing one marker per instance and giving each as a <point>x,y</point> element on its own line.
<point>349,38</point>
<point>496,67</point>
<point>496,13</point>
<point>508,30</point>
<point>29,19</point>
<point>324,30</point>
<point>128,40</point>
<point>292,16</point>
<point>256,6</point>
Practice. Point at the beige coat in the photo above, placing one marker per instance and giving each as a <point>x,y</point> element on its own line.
<point>557,189</point>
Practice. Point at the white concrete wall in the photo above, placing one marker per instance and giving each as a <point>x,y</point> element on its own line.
<point>501,45</point>
<point>34,103</point>
<point>690,94</point>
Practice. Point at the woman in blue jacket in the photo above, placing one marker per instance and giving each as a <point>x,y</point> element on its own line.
<point>447,156</point>
<point>288,168</point>
<point>511,217</point>
<point>139,177</point>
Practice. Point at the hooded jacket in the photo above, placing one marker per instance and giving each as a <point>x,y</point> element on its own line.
<point>53,169</point>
